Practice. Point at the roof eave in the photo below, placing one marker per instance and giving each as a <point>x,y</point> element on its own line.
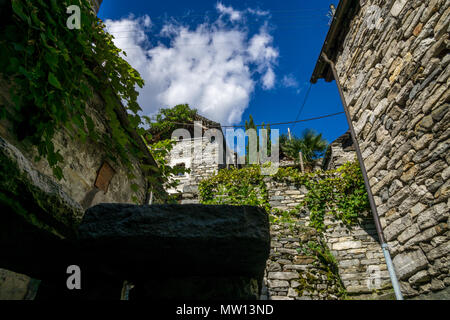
<point>345,12</point>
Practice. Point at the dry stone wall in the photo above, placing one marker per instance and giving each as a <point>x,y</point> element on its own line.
<point>395,77</point>
<point>291,273</point>
<point>361,262</point>
<point>362,267</point>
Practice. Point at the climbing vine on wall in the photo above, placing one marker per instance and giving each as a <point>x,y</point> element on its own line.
<point>161,151</point>
<point>54,72</point>
<point>340,192</point>
<point>236,187</point>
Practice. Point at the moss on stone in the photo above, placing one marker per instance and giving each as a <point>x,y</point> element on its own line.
<point>44,206</point>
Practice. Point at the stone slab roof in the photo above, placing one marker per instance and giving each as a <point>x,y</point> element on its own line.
<point>345,12</point>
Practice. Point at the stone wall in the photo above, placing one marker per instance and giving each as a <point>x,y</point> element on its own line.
<point>361,262</point>
<point>81,165</point>
<point>82,161</point>
<point>395,77</point>
<point>291,273</point>
<point>357,251</point>
<point>339,152</point>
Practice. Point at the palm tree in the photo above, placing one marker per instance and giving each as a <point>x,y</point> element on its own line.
<point>310,143</point>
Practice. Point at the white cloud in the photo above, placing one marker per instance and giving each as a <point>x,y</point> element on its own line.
<point>289,81</point>
<point>268,79</point>
<point>213,67</point>
<point>258,12</point>
<point>233,14</point>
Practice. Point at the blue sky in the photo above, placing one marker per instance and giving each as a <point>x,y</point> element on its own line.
<point>230,59</point>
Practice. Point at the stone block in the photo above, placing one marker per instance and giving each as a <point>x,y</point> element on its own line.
<point>207,240</point>
<point>282,275</point>
<point>440,251</point>
<point>419,278</point>
<point>396,227</point>
<point>346,245</point>
<point>277,284</point>
<point>408,263</point>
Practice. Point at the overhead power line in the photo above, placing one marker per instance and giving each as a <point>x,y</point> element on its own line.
<point>303,105</point>
<point>265,125</point>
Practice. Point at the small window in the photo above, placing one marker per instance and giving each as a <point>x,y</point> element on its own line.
<point>183,166</point>
<point>212,139</point>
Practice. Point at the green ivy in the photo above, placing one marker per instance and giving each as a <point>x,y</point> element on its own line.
<point>340,192</point>
<point>54,73</point>
<point>168,174</point>
<point>236,187</point>
<point>319,250</point>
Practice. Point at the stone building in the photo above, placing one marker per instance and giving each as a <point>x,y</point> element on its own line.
<point>202,163</point>
<point>392,61</point>
<point>339,152</point>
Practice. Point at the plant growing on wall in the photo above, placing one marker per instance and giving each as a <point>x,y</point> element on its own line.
<point>236,187</point>
<point>160,151</point>
<point>340,192</point>
<point>54,72</point>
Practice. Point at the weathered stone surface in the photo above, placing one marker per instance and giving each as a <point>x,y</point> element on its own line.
<point>15,286</point>
<point>278,284</point>
<point>282,275</point>
<point>396,227</point>
<point>37,217</point>
<point>346,245</point>
<point>398,7</point>
<point>410,71</point>
<point>408,263</point>
<point>432,216</point>
<point>440,251</point>
<point>34,196</point>
<point>202,240</point>
<point>419,277</point>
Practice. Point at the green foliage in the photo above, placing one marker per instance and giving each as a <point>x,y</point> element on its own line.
<point>340,192</point>
<point>310,143</point>
<point>320,251</point>
<point>287,216</point>
<point>54,72</point>
<point>160,152</point>
<point>236,187</point>
<point>169,119</point>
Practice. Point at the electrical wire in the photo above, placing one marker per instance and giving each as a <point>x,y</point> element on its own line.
<point>265,125</point>
<point>303,105</point>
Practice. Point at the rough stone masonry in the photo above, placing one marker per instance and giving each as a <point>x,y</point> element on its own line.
<point>392,59</point>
